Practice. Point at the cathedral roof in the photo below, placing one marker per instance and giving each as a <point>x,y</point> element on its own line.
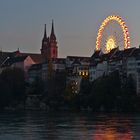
<point>37,58</point>
<point>14,56</point>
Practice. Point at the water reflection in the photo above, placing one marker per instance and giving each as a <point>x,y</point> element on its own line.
<point>113,129</point>
<point>68,126</point>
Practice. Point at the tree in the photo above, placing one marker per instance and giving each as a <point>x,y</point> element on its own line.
<point>129,97</point>
<point>37,87</point>
<point>83,95</point>
<point>12,86</point>
<point>104,92</point>
<point>55,88</point>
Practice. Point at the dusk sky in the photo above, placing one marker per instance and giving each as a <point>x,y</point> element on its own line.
<point>76,23</point>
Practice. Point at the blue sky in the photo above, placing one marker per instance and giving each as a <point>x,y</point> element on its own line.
<point>76,23</point>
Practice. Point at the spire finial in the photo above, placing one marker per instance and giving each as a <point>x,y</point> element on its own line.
<point>45,34</point>
<point>52,36</point>
<point>52,32</point>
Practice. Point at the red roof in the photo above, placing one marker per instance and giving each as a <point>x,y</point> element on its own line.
<point>37,58</point>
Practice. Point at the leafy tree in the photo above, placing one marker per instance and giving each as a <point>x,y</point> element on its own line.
<point>12,86</point>
<point>54,89</point>
<point>104,92</point>
<point>129,97</point>
<point>85,88</point>
<point>36,87</point>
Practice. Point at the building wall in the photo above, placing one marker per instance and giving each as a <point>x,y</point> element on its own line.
<point>92,73</point>
<point>59,67</point>
<point>74,82</point>
<point>44,71</point>
<point>133,69</point>
<point>27,63</point>
<point>98,70</point>
<point>18,65</point>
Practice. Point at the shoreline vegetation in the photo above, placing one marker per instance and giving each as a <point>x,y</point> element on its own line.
<point>109,93</point>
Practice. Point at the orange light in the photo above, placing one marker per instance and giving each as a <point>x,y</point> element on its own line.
<point>123,26</point>
<point>110,44</point>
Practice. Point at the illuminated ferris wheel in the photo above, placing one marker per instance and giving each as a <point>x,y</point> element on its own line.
<point>112,33</point>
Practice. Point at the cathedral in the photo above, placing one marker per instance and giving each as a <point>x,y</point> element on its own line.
<point>49,49</point>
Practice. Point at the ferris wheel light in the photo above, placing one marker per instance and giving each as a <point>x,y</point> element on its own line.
<point>110,44</point>
<point>122,24</point>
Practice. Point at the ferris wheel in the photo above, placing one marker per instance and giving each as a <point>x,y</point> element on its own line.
<point>112,33</point>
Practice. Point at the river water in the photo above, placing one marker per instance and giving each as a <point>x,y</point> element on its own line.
<point>68,126</point>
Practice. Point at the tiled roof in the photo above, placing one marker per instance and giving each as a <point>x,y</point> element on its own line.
<point>79,58</point>
<point>96,54</point>
<point>136,52</point>
<point>59,60</point>
<point>4,56</point>
<point>17,59</point>
<point>128,52</point>
<point>56,61</point>
<point>12,60</point>
<point>114,54</point>
<point>37,58</point>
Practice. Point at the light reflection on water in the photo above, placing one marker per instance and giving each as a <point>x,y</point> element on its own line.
<point>68,126</point>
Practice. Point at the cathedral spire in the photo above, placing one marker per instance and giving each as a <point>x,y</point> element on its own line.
<point>49,45</point>
<point>52,32</point>
<point>45,34</point>
<point>52,36</point>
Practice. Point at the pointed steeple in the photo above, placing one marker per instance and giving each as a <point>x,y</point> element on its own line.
<point>52,36</point>
<point>52,32</point>
<point>45,34</point>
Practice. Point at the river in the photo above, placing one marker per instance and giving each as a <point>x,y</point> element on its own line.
<point>68,126</point>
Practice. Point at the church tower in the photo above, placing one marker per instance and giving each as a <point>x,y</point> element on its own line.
<point>49,45</point>
<point>45,45</point>
<point>53,44</point>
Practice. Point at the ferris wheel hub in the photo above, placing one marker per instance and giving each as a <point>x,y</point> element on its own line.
<point>110,44</point>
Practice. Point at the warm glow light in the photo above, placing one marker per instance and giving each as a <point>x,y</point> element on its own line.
<point>110,44</point>
<point>123,26</point>
<point>109,130</point>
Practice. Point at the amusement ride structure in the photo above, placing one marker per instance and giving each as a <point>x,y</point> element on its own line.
<point>112,33</point>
